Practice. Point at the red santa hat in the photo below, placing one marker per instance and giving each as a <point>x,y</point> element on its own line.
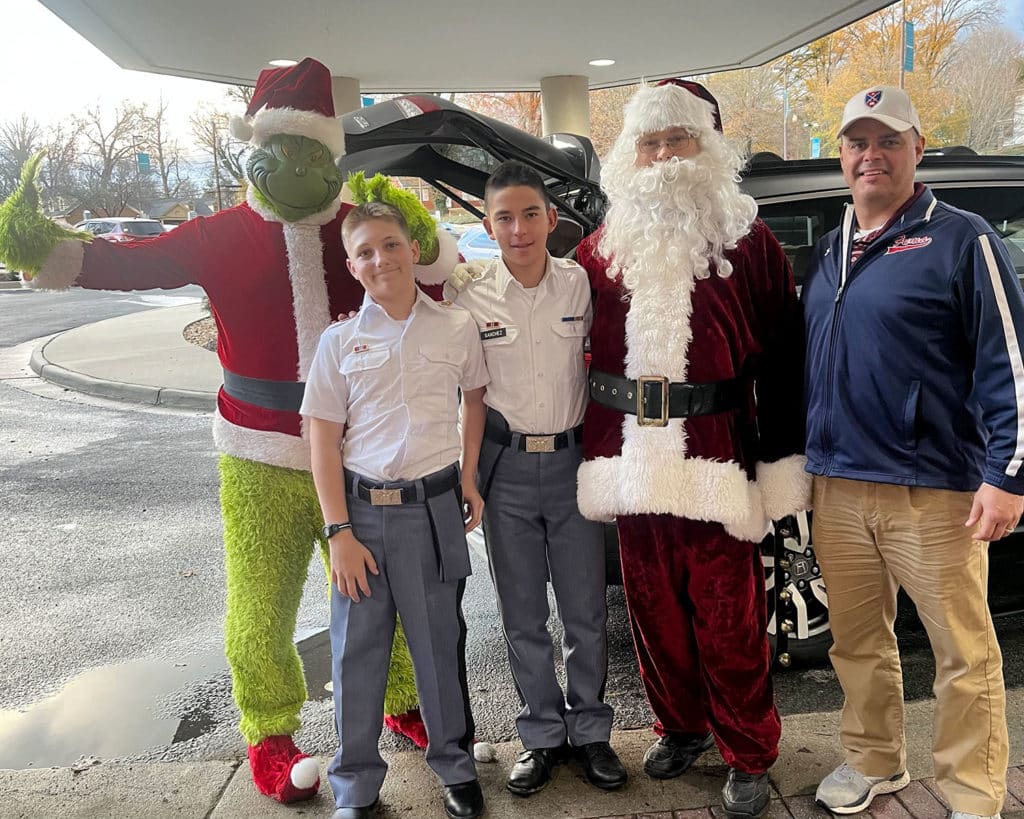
<point>670,104</point>
<point>296,100</point>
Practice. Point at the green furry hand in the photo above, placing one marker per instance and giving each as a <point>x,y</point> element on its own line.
<point>26,236</point>
<point>421,224</point>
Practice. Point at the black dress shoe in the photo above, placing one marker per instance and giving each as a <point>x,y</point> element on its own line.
<point>672,755</point>
<point>532,770</point>
<point>356,813</point>
<point>464,801</point>
<point>745,796</point>
<point>602,765</point>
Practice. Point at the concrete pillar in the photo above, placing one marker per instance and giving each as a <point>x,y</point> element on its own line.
<point>345,91</point>
<point>565,104</point>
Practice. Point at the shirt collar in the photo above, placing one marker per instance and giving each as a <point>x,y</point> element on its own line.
<point>504,279</point>
<point>370,308</point>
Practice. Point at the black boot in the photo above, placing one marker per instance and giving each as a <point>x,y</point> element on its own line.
<point>745,796</point>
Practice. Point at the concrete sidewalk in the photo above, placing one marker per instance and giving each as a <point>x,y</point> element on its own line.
<point>223,788</point>
<point>144,358</point>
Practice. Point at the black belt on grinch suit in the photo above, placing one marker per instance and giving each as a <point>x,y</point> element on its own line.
<point>653,399</point>
<point>283,396</point>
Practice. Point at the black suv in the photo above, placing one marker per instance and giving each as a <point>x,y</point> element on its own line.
<point>455,150</point>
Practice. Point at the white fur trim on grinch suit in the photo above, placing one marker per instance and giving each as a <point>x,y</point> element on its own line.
<point>447,259</point>
<point>61,268</point>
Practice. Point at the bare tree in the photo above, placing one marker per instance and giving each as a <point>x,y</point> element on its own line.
<point>20,139</point>
<point>227,154</point>
<point>987,77</point>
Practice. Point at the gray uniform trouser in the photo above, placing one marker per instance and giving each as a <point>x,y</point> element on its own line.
<point>413,545</point>
<point>535,532</point>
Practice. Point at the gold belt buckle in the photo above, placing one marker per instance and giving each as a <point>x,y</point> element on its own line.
<point>662,419</point>
<point>386,497</point>
<point>540,443</point>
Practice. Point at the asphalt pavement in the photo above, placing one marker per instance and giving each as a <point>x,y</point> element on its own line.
<point>143,358</point>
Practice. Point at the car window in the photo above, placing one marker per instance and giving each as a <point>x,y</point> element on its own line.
<point>799,224</point>
<point>143,228</point>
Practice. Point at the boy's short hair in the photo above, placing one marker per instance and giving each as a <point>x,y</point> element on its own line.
<point>367,212</point>
<point>513,173</point>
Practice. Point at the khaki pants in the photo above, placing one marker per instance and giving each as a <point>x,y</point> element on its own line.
<point>870,539</point>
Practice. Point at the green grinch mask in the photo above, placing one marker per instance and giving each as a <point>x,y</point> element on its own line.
<point>294,176</point>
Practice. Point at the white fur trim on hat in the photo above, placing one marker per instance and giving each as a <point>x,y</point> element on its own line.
<point>658,107</point>
<point>270,121</point>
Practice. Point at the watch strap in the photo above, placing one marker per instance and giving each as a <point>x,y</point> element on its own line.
<point>331,529</point>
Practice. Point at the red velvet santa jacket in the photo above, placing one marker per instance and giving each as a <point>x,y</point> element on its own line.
<point>274,287</point>
<point>742,468</point>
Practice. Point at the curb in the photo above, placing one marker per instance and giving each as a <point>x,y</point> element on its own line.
<point>117,390</point>
<point>13,286</point>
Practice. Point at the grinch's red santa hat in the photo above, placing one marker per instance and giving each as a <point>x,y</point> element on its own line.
<point>292,100</point>
<point>670,104</point>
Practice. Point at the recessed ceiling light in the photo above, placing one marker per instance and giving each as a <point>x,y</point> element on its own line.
<point>602,62</point>
<point>284,63</point>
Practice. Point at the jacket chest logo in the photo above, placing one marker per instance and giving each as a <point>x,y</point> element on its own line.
<point>908,243</point>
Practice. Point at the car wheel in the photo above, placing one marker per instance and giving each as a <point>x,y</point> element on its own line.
<point>805,613</point>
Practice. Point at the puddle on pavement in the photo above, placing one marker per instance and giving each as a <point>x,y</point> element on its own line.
<point>114,711</point>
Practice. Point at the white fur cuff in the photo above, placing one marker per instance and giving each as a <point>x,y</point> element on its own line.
<point>785,486</point>
<point>447,258</point>
<point>62,267</point>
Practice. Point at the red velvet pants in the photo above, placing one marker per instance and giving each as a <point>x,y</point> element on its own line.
<point>696,603</point>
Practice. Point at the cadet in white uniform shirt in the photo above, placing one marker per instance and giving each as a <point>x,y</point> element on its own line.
<point>382,401</point>
<point>533,314</point>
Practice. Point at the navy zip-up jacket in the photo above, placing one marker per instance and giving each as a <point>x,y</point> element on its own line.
<point>914,373</point>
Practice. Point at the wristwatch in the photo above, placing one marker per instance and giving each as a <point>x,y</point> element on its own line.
<point>331,529</point>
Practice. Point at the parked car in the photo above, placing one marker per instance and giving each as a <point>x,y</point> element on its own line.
<point>476,244</point>
<point>454,150</point>
<point>122,228</point>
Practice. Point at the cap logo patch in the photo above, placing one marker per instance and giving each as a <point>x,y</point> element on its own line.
<point>872,98</point>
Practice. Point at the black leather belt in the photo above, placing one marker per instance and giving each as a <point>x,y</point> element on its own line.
<point>285,396</point>
<point>653,399</point>
<point>534,443</point>
<point>396,493</point>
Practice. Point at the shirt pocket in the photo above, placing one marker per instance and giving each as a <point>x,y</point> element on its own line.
<point>570,336</point>
<point>367,360</point>
<point>437,379</point>
<point>499,344</point>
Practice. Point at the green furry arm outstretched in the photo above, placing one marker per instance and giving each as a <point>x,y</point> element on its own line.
<point>26,236</point>
<point>421,224</point>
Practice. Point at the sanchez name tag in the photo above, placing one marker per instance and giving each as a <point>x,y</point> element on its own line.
<point>495,332</point>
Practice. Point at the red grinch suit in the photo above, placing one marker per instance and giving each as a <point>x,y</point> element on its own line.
<point>693,494</point>
<point>274,285</point>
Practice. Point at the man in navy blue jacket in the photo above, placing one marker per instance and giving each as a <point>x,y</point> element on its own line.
<point>915,438</point>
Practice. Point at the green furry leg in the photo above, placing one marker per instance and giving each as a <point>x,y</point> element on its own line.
<point>271,521</point>
<point>400,695</point>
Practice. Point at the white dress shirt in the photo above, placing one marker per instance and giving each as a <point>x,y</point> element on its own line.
<point>394,384</point>
<point>533,342</point>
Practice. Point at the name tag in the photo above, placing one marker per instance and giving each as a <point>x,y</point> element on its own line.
<point>572,318</point>
<point>498,332</point>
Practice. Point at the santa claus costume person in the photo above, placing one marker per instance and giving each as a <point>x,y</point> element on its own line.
<point>695,313</point>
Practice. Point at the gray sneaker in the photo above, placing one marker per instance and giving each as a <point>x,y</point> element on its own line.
<point>846,790</point>
<point>959,814</point>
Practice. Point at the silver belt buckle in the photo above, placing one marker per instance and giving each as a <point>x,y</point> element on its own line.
<point>386,497</point>
<point>540,443</point>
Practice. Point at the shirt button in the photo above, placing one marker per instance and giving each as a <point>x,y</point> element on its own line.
<point>537,341</point>
<point>541,404</point>
<point>540,375</point>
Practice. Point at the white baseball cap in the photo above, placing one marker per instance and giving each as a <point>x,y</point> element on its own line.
<point>884,103</point>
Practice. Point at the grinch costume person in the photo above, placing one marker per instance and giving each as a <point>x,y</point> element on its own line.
<point>274,270</point>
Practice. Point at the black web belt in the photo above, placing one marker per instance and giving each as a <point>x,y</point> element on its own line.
<point>533,443</point>
<point>653,399</point>
<point>396,493</point>
<point>285,396</point>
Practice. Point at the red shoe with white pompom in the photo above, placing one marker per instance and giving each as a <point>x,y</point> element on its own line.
<point>282,772</point>
<point>410,724</point>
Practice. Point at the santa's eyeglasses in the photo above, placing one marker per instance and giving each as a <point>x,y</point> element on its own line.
<point>648,146</point>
